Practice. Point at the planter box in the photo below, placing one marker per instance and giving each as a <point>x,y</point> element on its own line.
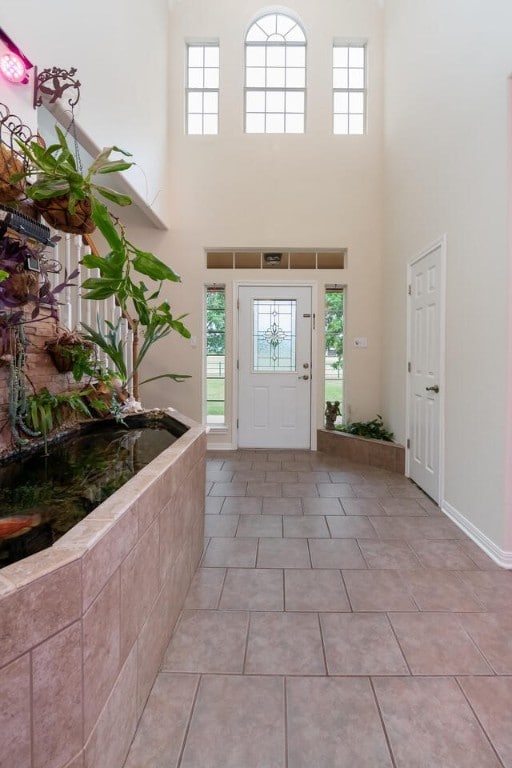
<point>376,453</point>
<point>84,624</point>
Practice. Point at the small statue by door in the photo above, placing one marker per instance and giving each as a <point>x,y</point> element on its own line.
<point>332,409</point>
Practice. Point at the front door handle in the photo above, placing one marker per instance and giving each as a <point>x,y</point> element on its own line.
<point>305,377</point>
<point>435,389</point>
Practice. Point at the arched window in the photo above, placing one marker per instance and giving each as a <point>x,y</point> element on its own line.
<point>275,75</point>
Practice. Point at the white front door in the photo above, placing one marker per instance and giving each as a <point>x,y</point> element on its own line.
<point>426,278</point>
<point>274,367</point>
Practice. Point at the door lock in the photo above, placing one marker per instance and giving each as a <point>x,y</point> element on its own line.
<point>435,389</point>
<point>305,377</point>
<point>305,365</point>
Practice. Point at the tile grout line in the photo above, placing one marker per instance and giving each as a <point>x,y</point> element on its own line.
<point>346,591</point>
<point>324,653</point>
<point>217,607</point>
<point>474,643</point>
<point>309,553</point>
<point>189,722</point>
<point>386,736</point>
<point>409,592</point>
<point>470,589</point>
<point>484,731</point>
<point>285,702</point>
<point>246,649</point>
<point>386,613</point>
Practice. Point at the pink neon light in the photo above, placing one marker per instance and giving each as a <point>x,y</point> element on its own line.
<point>12,68</point>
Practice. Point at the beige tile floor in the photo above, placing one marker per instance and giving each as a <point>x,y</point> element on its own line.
<point>337,620</point>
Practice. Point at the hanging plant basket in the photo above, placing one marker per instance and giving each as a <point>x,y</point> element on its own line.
<point>55,211</point>
<point>67,347</point>
<point>10,164</point>
<point>23,285</point>
<point>62,360</point>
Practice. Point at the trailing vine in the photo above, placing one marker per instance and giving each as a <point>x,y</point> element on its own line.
<point>17,386</point>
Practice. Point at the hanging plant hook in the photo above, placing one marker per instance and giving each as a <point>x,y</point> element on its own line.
<point>51,84</point>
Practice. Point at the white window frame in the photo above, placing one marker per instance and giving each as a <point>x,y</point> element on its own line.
<point>202,90</point>
<point>350,90</point>
<point>217,425</point>
<point>282,106</point>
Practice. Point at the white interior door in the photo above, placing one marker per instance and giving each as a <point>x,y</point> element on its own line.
<point>425,357</point>
<point>274,367</point>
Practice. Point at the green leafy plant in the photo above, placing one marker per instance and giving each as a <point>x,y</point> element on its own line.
<point>45,410</point>
<point>373,429</point>
<point>107,337</point>
<point>57,174</point>
<point>139,304</point>
<point>125,268</point>
<point>70,351</point>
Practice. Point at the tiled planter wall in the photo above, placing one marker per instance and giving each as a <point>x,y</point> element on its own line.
<point>84,625</point>
<point>376,453</point>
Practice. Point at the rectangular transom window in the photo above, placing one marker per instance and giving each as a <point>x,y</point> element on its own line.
<point>202,92</point>
<point>349,88</point>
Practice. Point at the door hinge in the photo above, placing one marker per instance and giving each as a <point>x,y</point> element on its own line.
<point>238,303</point>
<point>238,365</point>
<point>237,423</point>
<point>409,290</point>
<point>408,443</point>
<point>314,320</point>
<point>408,367</point>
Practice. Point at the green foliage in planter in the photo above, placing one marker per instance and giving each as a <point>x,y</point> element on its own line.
<point>45,410</point>
<point>82,361</point>
<point>70,351</point>
<point>374,429</point>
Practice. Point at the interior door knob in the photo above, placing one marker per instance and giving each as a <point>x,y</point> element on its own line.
<point>435,388</point>
<point>305,377</point>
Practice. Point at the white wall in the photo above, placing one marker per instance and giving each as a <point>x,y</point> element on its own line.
<point>276,191</point>
<point>447,65</point>
<point>119,48</point>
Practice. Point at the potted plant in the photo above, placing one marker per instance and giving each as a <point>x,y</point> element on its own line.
<point>374,429</point>
<point>70,351</point>
<point>61,192</point>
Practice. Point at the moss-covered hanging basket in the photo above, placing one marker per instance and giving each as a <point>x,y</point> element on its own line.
<point>55,211</point>
<point>10,164</point>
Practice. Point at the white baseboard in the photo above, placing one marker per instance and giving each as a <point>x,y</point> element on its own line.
<point>220,446</point>
<point>500,556</point>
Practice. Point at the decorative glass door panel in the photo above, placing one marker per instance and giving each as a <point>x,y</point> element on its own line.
<point>274,335</point>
